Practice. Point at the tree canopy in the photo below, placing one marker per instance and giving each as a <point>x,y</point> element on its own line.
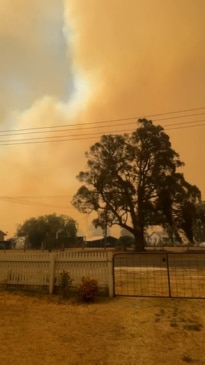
<point>132,180</point>
<point>43,231</point>
<point>199,223</point>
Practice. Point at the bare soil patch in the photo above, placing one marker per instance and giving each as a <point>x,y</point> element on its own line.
<point>47,330</point>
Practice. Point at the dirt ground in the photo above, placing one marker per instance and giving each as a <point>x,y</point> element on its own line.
<point>47,330</point>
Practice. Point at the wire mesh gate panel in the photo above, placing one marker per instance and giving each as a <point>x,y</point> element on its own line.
<point>159,274</point>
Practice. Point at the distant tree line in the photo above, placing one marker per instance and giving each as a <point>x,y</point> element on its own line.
<point>46,232</point>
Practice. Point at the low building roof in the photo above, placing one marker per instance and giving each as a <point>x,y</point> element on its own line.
<point>5,234</point>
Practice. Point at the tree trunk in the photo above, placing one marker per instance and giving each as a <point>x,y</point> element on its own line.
<point>139,240</point>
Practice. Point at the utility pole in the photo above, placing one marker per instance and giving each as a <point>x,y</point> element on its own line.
<point>105,228</point>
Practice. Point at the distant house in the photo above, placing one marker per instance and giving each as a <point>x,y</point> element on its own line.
<point>4,244</point>
<point>69,242</point>
<point>101,242</point>
<point>2,235</point>
<point>155,239</point>
<point>160,238</point>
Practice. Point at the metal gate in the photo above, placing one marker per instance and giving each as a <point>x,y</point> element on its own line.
<point>177,275</point>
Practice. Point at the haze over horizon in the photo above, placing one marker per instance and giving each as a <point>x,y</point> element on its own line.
<point>71,71</point>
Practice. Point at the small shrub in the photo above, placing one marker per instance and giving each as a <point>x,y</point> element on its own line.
<point>193,327</point>
<point>88,289</point>
<point>173,324</point>
<point>65,282</point>
<point>187,358</point>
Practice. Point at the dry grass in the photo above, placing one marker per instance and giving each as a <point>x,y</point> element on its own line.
<point>41,329</point>
<point>150,281</point>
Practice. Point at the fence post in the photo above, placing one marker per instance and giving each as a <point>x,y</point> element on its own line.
<point>110,274</point>
<point>51,272</point>
<point>168,275</point>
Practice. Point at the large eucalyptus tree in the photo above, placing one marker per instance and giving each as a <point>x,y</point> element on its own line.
<point>132,181</point>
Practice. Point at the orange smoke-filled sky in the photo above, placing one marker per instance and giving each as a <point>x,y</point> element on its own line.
<point>65,66</point>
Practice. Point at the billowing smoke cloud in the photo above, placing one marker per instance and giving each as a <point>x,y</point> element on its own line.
<point>34,55</point>
<point>145,57</point>
<point>76,62</point>
<point>140,52</point>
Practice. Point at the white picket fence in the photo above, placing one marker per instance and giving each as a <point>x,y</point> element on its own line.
<point>44,268</point>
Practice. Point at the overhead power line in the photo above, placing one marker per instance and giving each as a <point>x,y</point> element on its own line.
<point>28,200</point>
<point>112,120</point>
<point>73,139</point>
<point>85,127</point>
<point>34,196</point>
<point>84,136</point>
